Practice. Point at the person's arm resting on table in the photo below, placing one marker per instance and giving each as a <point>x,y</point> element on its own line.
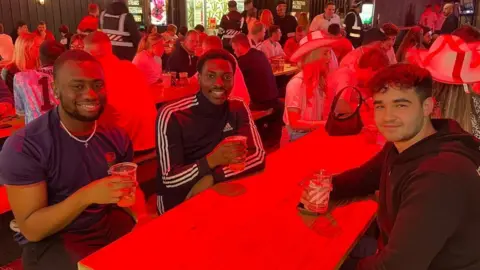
<point>432,207</point>
<point>255,159</point>
<point>361,181</point>
<point>24,177</point>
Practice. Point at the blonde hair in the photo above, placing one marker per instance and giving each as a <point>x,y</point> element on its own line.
<point>148,41</point>
<point>266,17</point>
<point>303,20</point>
<point>454,103</point>
<point>314,75</point>
<point>257,28</point>
<point>22,57</point>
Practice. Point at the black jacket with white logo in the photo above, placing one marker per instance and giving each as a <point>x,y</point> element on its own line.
<point>187,131</point>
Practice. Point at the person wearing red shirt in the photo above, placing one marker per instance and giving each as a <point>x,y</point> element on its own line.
<point>89,23</point>
<point>292,43</point>
<point>43,32</point>
<point>343,46</point>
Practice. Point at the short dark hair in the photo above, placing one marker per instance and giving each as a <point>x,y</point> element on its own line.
<point>63,29</point>
<point>272,29</point>
<point>42,23</point>
<point>183,30</point>
<point>329,4</point>
<point>200,28</point>
<point>50,50</point>
<point>467,33</point>
<point>20,24</point>
<point>242,40</point>
<point>248,2</point>
<point>72,55</point>
<point>232,4</point>
<point>404,76</point>
<point>390,29</point>
<point>2,29</point>
<point>373,58</point>
<point>334,29</point>
<point>216,54</point>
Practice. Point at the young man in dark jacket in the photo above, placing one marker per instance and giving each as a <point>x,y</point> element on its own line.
<point>120,26</point>
<point>231,24</point>
<point>191,133</point>
<point>428,179</point>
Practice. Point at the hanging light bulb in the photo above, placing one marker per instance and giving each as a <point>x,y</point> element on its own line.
<point>41,2</point>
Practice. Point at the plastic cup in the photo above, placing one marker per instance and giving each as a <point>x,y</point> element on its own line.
<point>127,169</point>
<point>316,193</point>
<point>166,80</point>
<point>240,166</point>
<point>281,64</point>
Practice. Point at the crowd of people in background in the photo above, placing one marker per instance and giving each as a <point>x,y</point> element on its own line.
<point>61,87</point>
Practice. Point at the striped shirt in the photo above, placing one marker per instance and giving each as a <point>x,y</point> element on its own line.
<point>33,93</point>
<point>187,131</point>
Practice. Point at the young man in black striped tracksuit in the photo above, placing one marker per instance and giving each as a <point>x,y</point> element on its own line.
<point>191,131</point>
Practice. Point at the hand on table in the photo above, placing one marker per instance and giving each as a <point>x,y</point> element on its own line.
<point>107,190</point>
<point>203,184</point>
<point>227,152</point>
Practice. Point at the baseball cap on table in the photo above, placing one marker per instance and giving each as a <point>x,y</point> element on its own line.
<point>312,41</point>
<point>450,60</point>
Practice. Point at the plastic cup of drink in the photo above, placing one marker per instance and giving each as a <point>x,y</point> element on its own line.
<point>166,80</point>
<point>281,64</point>
<point>241,165</point>
<point>316,194</point>
<point>126,169</point>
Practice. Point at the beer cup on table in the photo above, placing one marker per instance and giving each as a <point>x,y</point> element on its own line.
<point>316,192</point>
<point>126,169</point>
<point>238,166</point>
<point>166,80</point>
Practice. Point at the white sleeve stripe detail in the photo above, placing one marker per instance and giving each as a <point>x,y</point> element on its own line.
<point>163,140</point>
<point>259,155</point>
<point>166,178</point>
<point>160,207</point>
<point>189,177</point>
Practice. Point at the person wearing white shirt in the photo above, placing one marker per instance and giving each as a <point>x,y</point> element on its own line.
<point>148,59</point>
<point>256,34</point>
<point>271,47</point>
<point>323,21</point>
<point>6,46</point>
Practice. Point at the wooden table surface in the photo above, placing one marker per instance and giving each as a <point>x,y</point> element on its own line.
<point>288,70</point>
<point>253,223</point>
<point>16,122</point>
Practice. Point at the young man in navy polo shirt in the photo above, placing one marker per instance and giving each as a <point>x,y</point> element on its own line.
<point>191,134</point>
<point>55,171</point>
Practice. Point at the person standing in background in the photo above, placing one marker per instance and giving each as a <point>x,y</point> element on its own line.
<point>89,23</point>
<point>266,17</point>
<point>286,22</point>
<point>249,9</point>
<point>120,26</point>
<point>292,43</point>
<point>323,21</point>
<point>20,28</point>
<point>303,20</point>
<point>343,45</point>
<point>230,25</point>
<point>353,25</point>
<point>66,36</point>
<point>6,46</point>
<point>43,32</point>
<point>451,20</point>
<point>428,17</point>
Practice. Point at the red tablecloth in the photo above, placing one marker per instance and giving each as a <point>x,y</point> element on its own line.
<point>260,227</point>
<point>4,205</point>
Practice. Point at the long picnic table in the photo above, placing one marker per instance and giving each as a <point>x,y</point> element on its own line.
<point>253,223</point>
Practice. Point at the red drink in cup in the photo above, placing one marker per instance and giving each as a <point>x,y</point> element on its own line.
<point>126,169</point>
<point>240,166</point>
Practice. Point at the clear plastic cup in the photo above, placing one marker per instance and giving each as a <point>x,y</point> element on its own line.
<point>166,80</point>
<point>183,81</point>
<point>130,170</point>
<point>241,165</point>
<point>316,193</point>
<point>281,64</point>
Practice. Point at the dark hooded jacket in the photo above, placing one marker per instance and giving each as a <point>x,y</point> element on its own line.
<point>130,26</point>
<point>429,214</point>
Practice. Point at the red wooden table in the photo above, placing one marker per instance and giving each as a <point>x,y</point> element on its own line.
<point>4,205</point>
<point>16,122</point>
<point>253,223</point>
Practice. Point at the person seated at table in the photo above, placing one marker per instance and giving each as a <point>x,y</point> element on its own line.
<point>239,90</point>
<point>427,174</point>
<point>25,57</point>
<point>306,92</point>
<point>183,59</point>
<point>6,100</point>
<point>33,89</point>
<point>149,57</point>
<point>56,172</point>
<point>271,47</point>
<point>262,89</point>
<point>130,105</point>
<point>192,147</point>
<point>344,45</point>
<point>256,35</point>
<point>170,35</point>
<point>356,76</point>
<point>292,43</point>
